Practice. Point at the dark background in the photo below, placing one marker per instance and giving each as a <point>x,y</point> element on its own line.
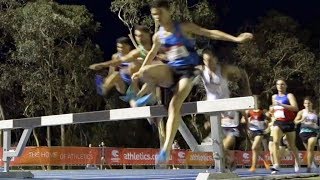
<point>232,14</point>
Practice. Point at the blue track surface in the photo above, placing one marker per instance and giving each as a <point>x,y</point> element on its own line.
<point>142,174</point>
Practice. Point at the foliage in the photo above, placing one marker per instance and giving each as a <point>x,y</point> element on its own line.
<point>50,50</point>
<point>276,52</point>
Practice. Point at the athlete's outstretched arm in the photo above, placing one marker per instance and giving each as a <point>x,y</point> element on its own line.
<point>214,34</point>
<point>131,56</point>
<point>153,51</point>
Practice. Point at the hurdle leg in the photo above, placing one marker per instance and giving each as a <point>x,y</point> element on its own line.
<point>218,152</point>
<point>187,136</point>
<point>6,148</point>
<point>9,153</point>
<point>161,131</point>
<point>217,142</point>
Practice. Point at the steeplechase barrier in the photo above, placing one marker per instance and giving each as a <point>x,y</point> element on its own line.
<point>200,107</point>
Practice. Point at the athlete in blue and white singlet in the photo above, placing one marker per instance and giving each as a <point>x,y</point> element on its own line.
<point>178,72</point>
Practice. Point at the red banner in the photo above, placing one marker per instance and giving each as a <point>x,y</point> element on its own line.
<point>56,156</point>
<point>139,156</point>
<point>35,156</point>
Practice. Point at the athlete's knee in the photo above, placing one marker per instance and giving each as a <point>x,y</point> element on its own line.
<point>148,75</point>
<point>175,104</point>
<point>255,148</point>
<point>276,144</point>
<point>311,146</point>
<point>174,109</point>
<point>112,77</point>
<point>229,142</point>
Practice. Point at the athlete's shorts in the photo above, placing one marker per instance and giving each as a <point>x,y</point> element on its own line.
<point>306,135</point>
<point>126,78</point>
<point>182,72</point>
<point>285,126</point>
<point>178,73</point>
<point>99,83</point>
<point>253,134</point>
<point>231,131</point>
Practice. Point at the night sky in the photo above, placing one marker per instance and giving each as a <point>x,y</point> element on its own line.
<point>232,14</point>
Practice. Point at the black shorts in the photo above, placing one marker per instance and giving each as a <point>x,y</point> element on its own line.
<point>253,134</point>
<point>285,126</point>
<point>182,72</point>
<point>178,73</point>
<point>306,135</point>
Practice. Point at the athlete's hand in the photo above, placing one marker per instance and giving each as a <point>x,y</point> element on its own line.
<point>207,125</point>
<point>244,37</point>
<point>96,67</point>
<point>278,103</point>
<point>135,76</point>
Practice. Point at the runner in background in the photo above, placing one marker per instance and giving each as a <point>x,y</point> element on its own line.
<point>309,130</point>
<point>257,122</point>
<point>215,77</point>
<point>284,107</point>
<point>119,76</point>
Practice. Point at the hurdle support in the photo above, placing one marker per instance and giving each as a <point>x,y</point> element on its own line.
<point>9,154</point>
<point>216,146</point>
<point>199,107</point>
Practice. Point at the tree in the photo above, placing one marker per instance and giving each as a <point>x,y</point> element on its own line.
<point>276,52</point>
<point>51,51</point>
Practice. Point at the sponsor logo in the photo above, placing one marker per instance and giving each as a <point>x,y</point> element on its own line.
<point>115,153</point>
<point>246,155</point>
<point>115,156</point>
<point>139,156</point>
<point>182,155</point>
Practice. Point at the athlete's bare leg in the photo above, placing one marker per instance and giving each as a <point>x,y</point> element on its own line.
<point>114,80</point>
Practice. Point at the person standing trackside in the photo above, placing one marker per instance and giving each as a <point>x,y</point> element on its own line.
<point>175,146</point>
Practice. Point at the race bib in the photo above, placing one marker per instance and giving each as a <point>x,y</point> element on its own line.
<point>229,119</point>
<point>257,125</point>
<point>177,52</point>
<point>279,112</point>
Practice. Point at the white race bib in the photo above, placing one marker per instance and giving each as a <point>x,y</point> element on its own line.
<point>278,112</point>
<point>177,52</point>
<point>257,125</point>
<point>230,119</point>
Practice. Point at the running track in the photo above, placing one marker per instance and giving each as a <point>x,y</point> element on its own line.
<point>142,174</point>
